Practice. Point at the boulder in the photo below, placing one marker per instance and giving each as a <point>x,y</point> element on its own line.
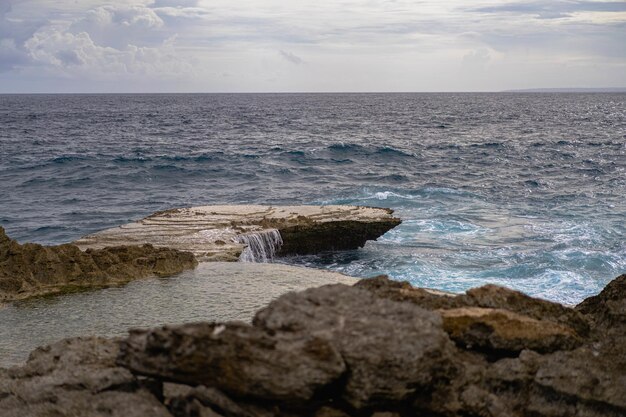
<point>403,291</point>
<point>241,360</point>
<point>392,350</point>
<point>76,377</point>
<point>503,332</point>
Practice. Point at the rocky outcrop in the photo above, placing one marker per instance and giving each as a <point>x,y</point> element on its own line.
<point>32,270</point>
<point>218,233</point>
<point>607,310</point>
<point>76,377</point>
<point>419,350</point>
<point>337,350</point>
<point>487,296</point>
<point>242,360</point>
<point>502,332</point>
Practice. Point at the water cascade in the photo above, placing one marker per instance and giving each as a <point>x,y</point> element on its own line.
<point>260,246</point>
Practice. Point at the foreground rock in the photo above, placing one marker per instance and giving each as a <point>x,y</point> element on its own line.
<point>31,270</point>
<point>221,233</point>
<point>375,349</point>
<point>76,377</point>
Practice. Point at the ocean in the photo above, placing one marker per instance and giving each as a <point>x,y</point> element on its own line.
<point>522,190</point>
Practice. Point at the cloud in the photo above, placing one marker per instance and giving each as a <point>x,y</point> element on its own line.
<point>365,44</point>
<point>68,53</point>
<point>294,59</point>
<point>554,9</point>
<point>477,57</point>
<point>175,3</point>
<point>121,26</point>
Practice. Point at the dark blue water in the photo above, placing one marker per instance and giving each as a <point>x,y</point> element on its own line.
<point>525,190</point>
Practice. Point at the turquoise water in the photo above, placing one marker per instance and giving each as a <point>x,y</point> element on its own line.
<point>525,190</point>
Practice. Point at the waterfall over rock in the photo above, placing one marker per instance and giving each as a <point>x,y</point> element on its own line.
<point>260,246</point>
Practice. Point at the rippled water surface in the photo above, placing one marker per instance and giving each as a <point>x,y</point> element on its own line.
<point>212,292</point>
<point>525,190</point>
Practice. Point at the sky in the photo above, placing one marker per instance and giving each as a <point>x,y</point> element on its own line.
<point>119,46</point>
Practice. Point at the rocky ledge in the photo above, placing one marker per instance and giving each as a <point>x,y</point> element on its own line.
<point>221,233</point>
<point>378,348</point>
<point>33,270</point>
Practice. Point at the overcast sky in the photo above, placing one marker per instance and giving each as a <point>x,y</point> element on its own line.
<point>302,45</point>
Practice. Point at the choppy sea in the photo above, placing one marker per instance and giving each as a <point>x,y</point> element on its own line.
<point>523,190</point>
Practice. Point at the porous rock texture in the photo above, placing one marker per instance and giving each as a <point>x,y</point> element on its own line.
<point>212,232</point>
<point>379,349</point>
<point>32,270</point>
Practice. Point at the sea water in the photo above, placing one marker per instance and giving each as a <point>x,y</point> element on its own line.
<point>523,190</point>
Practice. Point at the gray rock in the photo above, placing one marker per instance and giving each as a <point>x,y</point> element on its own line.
<point>203,400</point>
<point>402,291</point>
<point>241,360</point>
<point>607,310</point>
<point>75,377</point>
<point>392,350</point>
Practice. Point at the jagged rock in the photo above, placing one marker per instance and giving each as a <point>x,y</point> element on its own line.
<point>493,296</point>
<point>577,383</point>
<point>31,269</point>
<point>330,412</point>
<point>487,296</point>
<point>339,351</point>
<point>204,401</point>
<point>241,360</point>
<point>500,331</point>
<point>213,233</point>
<point>392,350</point>
<point>403,291</point>
<point>607,309</point>
<point>75,377</point>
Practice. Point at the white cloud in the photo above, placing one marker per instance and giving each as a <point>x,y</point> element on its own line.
<point>364,44</point>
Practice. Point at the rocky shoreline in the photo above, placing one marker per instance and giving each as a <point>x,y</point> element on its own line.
<point>32,270</point>
<point>377,348</point>
<point>222,233</point>
<point>171,241</point>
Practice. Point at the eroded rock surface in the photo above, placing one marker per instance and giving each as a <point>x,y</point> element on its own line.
<point>76,377</point>
<point>242,360</point>
<point>212,232</point>
<point>30,269</point>
<point>502,332</point>
<point>342,351</point>
<point>362,327</point>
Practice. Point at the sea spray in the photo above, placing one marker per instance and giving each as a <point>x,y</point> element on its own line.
<point>260,246</point>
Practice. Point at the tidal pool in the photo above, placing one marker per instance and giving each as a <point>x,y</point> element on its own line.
<point>214,291</point>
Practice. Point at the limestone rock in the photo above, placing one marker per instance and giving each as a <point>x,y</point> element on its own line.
<point>579,383</point>
<point>402,291</point>
<point>241,360</point>
<point>607,309</point>
<point>75,377</point>
<point>487,296</point>
<point>493,296</point>
<point>213,233</point>
<point>504,332</point>
<point>392,350</point>
<point>31,269</point>
<point>205,401</point>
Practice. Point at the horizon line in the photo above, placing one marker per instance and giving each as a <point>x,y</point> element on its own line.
<point>522,90</point>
